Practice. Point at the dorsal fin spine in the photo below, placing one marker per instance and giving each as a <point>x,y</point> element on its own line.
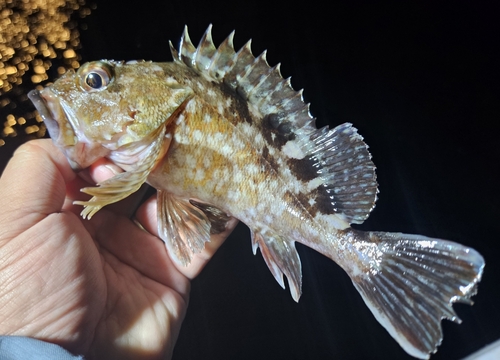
<point>254,74</point>
<point>293,103</point>
<point>174,52</point>
<point>187,49</point>
<point>255,70</point>
<point>241,61</point>
<point>205,51</point>
<point>251,77</point>
<point>265,86</point>
<point>222,60</point>
<point>259,84</point>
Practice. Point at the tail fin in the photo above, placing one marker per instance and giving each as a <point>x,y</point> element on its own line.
<point>411,282</point>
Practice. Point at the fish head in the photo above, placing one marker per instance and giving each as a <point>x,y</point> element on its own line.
<point>105,106</point>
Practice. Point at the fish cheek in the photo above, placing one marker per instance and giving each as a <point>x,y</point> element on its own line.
<point>152,111</point>
<point>101,117</point>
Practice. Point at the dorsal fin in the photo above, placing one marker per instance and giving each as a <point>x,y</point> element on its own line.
<point>345,169</point>
<point>252,78</point>
<point>335,163</point>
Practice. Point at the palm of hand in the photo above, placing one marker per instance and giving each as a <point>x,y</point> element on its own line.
<point>104,287</point>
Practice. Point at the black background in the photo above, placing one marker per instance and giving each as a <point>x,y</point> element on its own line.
<point>420,82</point>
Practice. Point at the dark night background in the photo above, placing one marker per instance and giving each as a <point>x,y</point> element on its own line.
<point>420,82</point>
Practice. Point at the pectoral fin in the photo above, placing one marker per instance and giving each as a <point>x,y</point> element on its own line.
<point>281,258</point>
<point>124,184</point>
<point>186,225</point>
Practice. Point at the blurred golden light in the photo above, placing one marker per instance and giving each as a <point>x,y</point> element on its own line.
<point>31,129</point>
<point>70,53</point>
<point>32,33</point>
<point>8,131</point>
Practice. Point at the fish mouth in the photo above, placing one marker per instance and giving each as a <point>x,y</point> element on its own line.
<point>43,109</point>
<point>53,115</point>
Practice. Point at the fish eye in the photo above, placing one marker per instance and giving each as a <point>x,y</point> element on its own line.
<point>95,76</point>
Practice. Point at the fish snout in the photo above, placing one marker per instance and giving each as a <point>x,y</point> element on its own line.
<point>41,105</point>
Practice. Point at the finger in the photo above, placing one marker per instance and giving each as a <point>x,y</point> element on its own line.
<point>136,248</point>
<point>103,169</point>
<point>32,185</point>
<point>147,217</point>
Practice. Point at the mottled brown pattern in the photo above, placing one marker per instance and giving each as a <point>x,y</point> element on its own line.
<point>273,136</point>
<point>238,105</point>
<point>323,200</point>
<point>303,169</point>
<point>269,159</point>
<point>304,200</point>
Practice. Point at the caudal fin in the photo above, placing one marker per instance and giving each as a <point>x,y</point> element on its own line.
<point>412,282</point>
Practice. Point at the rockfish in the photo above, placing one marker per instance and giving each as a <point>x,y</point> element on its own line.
<point>220,133</point>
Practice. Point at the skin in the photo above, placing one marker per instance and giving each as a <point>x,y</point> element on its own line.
<point>103,287</point>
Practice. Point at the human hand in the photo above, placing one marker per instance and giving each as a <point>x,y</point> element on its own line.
<point>101,287</point>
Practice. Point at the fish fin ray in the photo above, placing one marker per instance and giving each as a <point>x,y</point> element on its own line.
<point>187,50</point>
<point>184,227</point>
<point>174,52</point>
<point>205,51</point>
<point>413,283</point>
<point>218,218</point>
<point>122,185</point>
<point>281,258</point>
<point>345,170</point>
<point>251,77</point>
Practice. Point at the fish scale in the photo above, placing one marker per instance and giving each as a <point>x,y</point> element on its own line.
<point>220,133</point>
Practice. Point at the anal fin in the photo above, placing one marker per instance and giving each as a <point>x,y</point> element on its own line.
<point>281,258</point>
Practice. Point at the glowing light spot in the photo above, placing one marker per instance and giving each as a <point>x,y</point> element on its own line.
<point>11,121</point>
<point>39,69</point>
<point>8,131</point>
<point>32,33</point>
<point>69,54</point>
<point>31,129</point>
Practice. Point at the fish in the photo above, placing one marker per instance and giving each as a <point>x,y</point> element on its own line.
<point>219,133</point>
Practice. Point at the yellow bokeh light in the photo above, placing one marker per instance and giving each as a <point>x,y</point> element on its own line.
<point>35,79</point>
<point>70,53</point>
<point>8,131</point>
<point>33,33</point>
<point>39,69</point>
<point>31,129</point>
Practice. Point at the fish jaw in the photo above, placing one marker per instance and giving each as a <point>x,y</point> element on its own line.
<point>60,122</point>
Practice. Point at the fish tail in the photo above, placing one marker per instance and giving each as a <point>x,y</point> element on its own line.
<point>410,282</point>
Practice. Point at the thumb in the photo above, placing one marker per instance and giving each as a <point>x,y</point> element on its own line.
<point>32,186</point>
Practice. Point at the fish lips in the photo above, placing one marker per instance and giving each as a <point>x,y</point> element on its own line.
<point>49,109</point>
<point>52,126</point>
